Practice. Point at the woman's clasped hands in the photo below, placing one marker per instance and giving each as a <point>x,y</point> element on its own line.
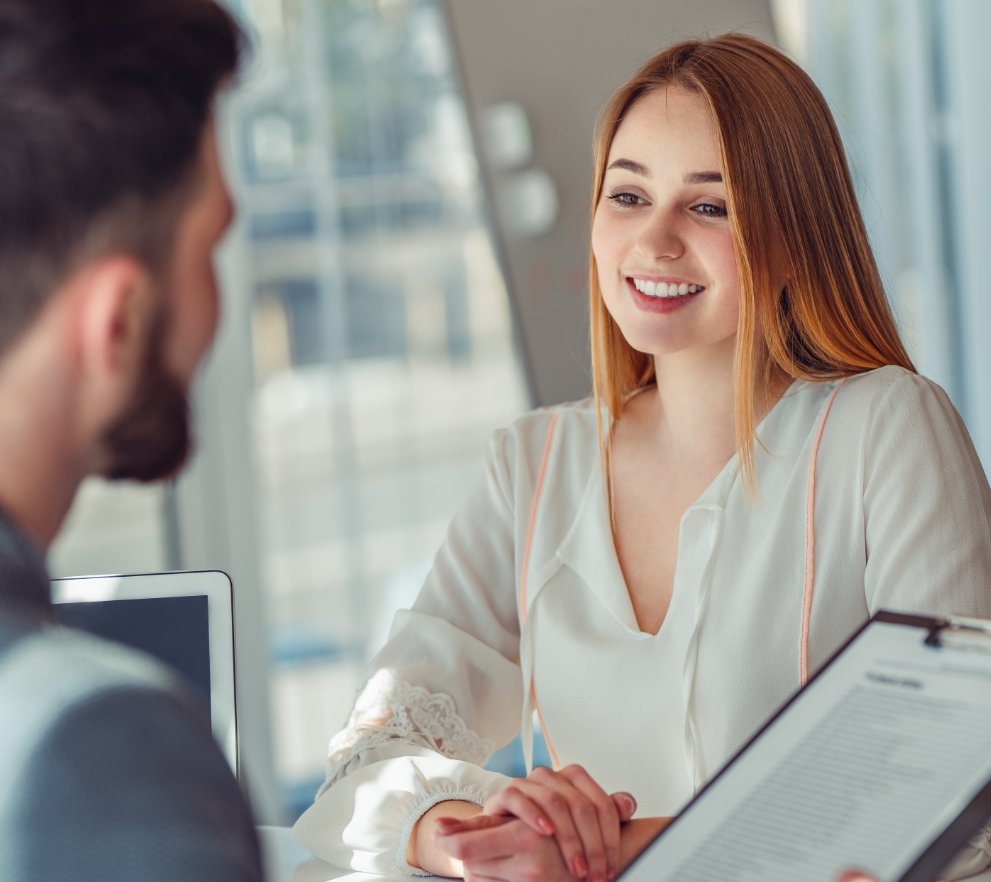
<point>551,825</point>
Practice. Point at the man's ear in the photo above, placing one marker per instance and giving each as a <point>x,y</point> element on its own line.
<point>115,302</point>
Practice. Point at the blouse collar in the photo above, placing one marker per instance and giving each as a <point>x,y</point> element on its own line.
<point>596,562</point>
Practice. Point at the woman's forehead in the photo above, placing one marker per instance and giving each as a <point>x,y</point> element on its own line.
<point>669,120</point>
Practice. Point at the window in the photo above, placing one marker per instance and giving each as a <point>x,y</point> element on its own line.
<point>905,81</point>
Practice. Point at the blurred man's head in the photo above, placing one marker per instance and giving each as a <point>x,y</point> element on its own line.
<point>112,200</point>
<point>151,437</point>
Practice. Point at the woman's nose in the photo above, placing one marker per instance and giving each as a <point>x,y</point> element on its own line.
<point>659,239</point>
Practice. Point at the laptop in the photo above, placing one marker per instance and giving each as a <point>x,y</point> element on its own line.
<point>184,619</point>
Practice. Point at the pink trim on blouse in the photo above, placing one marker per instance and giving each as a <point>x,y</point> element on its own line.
<point>810,541</point>
<point>531,526</point>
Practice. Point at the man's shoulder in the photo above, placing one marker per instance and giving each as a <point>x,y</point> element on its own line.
<point>48,664</point>
<point>51,674</point>
<point>100,738</point>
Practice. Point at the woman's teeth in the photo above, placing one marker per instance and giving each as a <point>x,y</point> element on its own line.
<point>666,289</point>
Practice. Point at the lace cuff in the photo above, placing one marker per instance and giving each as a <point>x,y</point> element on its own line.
<point>390,710</point>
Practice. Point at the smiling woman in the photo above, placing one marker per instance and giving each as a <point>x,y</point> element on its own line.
<point>812,301</point>
<point>655,571</point>
<point>661,234</point>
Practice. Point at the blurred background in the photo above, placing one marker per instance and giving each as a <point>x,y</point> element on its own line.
<point>407,273</point>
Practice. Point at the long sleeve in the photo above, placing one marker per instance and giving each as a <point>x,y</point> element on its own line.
<point>927,506</point>
<point>928,524</point>
<point>443,692</point>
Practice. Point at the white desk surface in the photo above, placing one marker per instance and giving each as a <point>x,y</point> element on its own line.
<point>287,861</point>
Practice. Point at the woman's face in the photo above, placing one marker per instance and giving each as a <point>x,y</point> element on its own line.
<point>661,237</point>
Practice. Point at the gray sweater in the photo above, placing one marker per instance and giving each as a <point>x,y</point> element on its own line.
<point>108,768</point>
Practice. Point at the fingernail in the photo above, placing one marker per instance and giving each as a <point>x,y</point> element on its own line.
<point>546,826</point>
<point>446,825</point>
<point>579,867</point>
<point>628,801</point>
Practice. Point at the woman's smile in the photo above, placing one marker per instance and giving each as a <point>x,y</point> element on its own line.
<point>662,296</point>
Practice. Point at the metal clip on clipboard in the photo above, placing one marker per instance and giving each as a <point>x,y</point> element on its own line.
<point>958,632</point>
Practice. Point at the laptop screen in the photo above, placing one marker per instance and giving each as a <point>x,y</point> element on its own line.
<point>183,619</point>
<point>173,629</point>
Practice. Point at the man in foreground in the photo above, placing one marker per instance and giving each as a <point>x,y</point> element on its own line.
<point>111,203</point>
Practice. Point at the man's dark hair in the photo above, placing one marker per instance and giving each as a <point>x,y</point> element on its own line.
<point>103,108</point>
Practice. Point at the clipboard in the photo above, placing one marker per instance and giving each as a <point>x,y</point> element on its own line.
<point>881,763</point>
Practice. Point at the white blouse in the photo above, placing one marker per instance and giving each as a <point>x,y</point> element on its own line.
<point>526,608</point>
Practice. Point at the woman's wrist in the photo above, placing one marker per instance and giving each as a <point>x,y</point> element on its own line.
<point>422,852</point>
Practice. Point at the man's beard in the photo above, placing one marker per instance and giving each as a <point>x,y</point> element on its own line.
<point>152,437</point>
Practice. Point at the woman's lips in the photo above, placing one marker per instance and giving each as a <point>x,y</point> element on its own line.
<point>661,304</point>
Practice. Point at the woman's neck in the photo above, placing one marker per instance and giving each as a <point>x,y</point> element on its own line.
<point>693,408</point>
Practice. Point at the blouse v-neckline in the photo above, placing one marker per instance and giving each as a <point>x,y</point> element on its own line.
<point>598,563</point>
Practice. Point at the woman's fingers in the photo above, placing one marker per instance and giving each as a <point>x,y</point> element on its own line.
<point>581,813</point>
<point>449,826</point>
<point>545,792</point>
<point>471,840</point>
<point>571,806</point>
<point>598,824</point>
<point>515,800</point>
<point>625,804</point>
<point>503,849</point>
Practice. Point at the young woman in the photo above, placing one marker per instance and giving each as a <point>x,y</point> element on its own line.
<point>653,572</point>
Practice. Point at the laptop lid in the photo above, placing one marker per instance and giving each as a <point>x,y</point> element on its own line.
<point>184,619</point>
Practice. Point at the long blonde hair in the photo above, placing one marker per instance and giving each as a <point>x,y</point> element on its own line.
<point>793,215</point>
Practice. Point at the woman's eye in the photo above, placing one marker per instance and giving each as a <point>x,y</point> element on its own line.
<point>709,209</point>
<point>627,199</point>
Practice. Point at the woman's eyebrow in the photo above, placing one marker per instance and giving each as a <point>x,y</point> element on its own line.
<point>706,177</point>
<point>631,166</point>
<point>699,177</point>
